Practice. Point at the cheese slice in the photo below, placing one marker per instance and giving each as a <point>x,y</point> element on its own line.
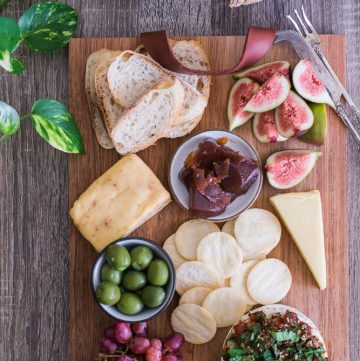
<point>302,215</point>
<point>118,202</point>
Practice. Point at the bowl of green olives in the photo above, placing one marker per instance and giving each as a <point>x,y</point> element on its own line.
<point>133,279</point>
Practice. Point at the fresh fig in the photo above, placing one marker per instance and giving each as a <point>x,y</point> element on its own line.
<point>239,95</point>
<point>263,72</point>
<point>308,85</point>
<point>264,128</point>
<point>288,168</point>
<point>293,116</point>
<point>317,133</point>
<point>270,95</point>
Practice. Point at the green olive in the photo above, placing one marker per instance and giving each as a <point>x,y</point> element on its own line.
<point>141,257</point>
<point>118,257</point>
<point>134,280</point>
<point>153,296</point>
<point>108,293</point>
<point>110,274</point>
<point>130,304</point>
<point>158,273</point>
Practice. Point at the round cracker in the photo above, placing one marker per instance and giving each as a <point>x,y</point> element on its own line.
<point>249,256</point>
<point>269,281</point>
<point>226,305</point>
<point>196,274</point>
<point>220,251</point>
<point>189,235</point>
<point>170,249</point>
<point>196,324</point>
<point>257,231</point>
<point>239,281</point>
<point>195,295</point>
<point>229,227</point>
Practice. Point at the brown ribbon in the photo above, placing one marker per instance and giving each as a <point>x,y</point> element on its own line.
<point>258,42</point>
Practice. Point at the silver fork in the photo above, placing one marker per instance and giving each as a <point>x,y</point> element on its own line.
<point>306,29</point>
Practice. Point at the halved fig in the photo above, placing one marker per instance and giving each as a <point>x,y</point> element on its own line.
<point>264,128</point>
<point>308,85</point>
<point>288,168</point>
<point>263,72</point>
<point>293,116</point>
<point>270,95</point>
<point>317,133</point>
<point>239,95</point>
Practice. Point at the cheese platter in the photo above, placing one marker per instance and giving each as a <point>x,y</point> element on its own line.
<point>313,213</point>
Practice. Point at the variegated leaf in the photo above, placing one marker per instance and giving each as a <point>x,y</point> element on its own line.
<point>54,123</point>
<point>48,26</point>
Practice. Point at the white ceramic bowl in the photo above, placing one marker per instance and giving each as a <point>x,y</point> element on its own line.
<point>238,144</point>
<point>147,313</point>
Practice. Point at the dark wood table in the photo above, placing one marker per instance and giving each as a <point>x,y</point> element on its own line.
<point>34,205</point>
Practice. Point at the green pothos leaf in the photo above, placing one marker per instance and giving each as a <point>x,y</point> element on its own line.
<point>48,26</point>
<point>9,120</point>
<point>9,34</point>
<point>10,63</point>
<point>54,123</point>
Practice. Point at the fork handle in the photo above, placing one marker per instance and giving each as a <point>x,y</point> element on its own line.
<point>351,118</point>
<point>319,52</point>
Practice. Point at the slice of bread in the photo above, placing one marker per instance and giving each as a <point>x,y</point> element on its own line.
<point>193,55</point>
<point>150,118</point>
<point>111,111</point>
<point>100,131</point>
<point>132,74</point>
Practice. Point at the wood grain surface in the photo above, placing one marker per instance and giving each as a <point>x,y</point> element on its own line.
<point>33,177</point>
<point>324,307</point>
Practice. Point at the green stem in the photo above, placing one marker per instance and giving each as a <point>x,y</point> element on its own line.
<point>25,116</point>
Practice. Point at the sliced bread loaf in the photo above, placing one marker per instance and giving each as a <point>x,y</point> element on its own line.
<point>131,75</point>
<point>150,118</point>
<point>100,131</point>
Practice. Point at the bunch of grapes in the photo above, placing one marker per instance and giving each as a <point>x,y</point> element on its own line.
<point>125,342</point>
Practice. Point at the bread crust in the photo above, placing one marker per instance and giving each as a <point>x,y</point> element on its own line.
<point>102,135</point>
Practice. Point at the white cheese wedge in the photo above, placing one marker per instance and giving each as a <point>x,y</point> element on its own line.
<point>118,202</point>
<point>302,215</point>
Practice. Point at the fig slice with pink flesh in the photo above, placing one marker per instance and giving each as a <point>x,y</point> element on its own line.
<point>293,116</point>
<point>270,95</point>
<point>288,168</point>
<point>264,128</point>
<point>239,95</point>
<point>263,72</point>
<point>308,85</point>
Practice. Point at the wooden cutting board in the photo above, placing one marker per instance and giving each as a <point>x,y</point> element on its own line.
<point>328,309</point>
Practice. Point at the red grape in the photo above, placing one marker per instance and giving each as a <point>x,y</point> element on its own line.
<point>153,354</point>
<point>107,346</point>
<point>169,358</point>
<point>155,342</point>
<point>139,344</point>
<point>110,334</point>
<point>176,354</point>
<point>140,328</point>
<point>174,341</point>
<point>123,332</point>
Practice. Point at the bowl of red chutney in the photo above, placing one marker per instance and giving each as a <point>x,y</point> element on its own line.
<point>215,175</point>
